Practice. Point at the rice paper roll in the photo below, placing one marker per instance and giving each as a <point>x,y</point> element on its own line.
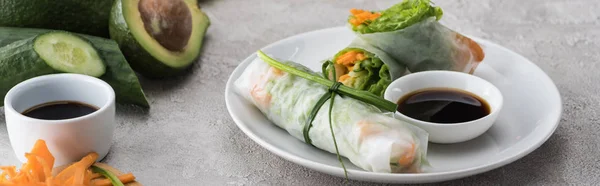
<point>364,67</point>
<point>410,33</point>
<point>369,138</point>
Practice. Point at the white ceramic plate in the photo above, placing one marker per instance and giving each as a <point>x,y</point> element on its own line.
<point>531,112</point>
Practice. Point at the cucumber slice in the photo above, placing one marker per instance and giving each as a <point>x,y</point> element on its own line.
<point>118,72</point>
<point>69,53</point>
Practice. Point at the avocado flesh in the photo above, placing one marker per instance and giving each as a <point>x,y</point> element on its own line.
<point>159,38</point>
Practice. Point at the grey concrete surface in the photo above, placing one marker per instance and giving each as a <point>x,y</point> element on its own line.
<point>188,138</point>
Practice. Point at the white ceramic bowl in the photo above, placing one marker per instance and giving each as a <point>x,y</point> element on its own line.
<point>448,132</point>
<point>70,139</point>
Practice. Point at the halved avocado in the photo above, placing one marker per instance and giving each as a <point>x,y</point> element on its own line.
<point>159,38</point>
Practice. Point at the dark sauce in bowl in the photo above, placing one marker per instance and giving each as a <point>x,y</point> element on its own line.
<point>443,105</point>
<point>59,110</point>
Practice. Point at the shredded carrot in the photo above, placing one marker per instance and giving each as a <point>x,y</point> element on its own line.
<point>44,156</point>
<point>125,178</point>
<point>3,177</point>
<point>79,176</point>
<point>49,181</point>
<point>276,71</point>
<point>350,58</point>
<point>85,162</point>
<point>260,96</point>
<point>35,168</point>
<point>355,22</point>
<point>347,59</point>
<point>40,149</point>
<point>355,11</point>
<point>96,175</point>
<point>408,157</point>
<point>344,77</point>
<point>361,16</point>
<point>10,170</point>
<point>37,171</point>
<point>360,56</point>
<point>70,180</point>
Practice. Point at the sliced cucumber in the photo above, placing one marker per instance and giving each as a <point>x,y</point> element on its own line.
<point>66,52</point>
<point>20,60</point>
<point>19,63</point>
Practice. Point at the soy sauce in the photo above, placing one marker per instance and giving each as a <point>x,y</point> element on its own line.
<point>58,110</point>
<point>443,105</point>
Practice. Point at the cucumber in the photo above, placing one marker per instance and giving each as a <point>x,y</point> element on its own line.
<point>64,52</point>
<point>82,16</point>
<point>160,38</point>
<point>48,53</point>
<point>118,73</point>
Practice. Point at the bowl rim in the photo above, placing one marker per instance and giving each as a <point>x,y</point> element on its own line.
<point>495,89</point>
<point>59,78</point>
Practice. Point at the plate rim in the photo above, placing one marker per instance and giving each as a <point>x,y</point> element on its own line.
<point>381,177</point>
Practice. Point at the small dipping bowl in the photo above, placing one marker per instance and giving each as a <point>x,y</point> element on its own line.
<point>68,140</point>
<point>448,132</point>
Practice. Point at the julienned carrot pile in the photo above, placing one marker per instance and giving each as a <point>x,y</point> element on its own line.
<point>37,171</point>
<point>361,16</point>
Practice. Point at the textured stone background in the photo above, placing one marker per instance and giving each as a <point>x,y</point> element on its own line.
<point>188,138</point>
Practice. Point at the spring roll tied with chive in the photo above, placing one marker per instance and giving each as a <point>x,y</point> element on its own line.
<point>364,67</point>
<point>368,137</point>
<point>410,33</point>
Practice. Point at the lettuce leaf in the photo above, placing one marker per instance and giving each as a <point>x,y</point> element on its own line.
<point>400,16</point>
<point>383,82</point>
<point>370,74</point>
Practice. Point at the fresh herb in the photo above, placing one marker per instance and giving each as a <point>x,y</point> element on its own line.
<point>335,88</point>
<point>312,116</point>
<point>113,178</point>
<point>400,16</point>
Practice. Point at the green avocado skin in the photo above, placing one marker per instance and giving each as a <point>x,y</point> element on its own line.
<point>118,73</point>
<point>81,16</point>
<point>139,59</point>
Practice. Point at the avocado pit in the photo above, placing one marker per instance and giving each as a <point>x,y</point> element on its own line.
<point>169,22</point>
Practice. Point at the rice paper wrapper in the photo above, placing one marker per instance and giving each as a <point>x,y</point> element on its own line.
<point>428,45</point>
<point>369,138</point>
<point>396,69</point>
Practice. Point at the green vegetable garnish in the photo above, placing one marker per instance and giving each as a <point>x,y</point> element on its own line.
<point>113,178</point>
<point>312,116</point>
<point>369,74</point>
<point>400,16</point>
<point>333,89</point>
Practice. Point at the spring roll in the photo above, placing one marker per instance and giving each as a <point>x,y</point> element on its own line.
<point>410,33</point>
<point>369,138</point>
<point>364,67</point>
